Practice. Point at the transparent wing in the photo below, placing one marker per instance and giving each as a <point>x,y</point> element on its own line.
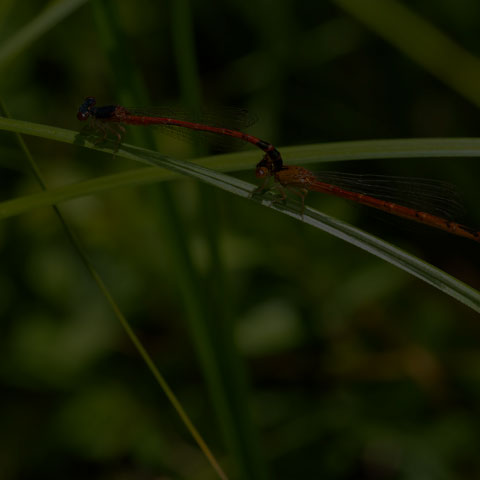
<point>431,196</point>
<point>232,118</point>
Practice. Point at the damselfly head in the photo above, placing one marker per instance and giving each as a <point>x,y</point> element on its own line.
<point>261,172</point>
<point>263,168</point>
<point>84,109</point>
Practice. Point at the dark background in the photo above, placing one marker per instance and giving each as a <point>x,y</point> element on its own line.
<point>356,369</point>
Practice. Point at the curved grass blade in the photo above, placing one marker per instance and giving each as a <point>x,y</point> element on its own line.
<point>81,252</point>
<point>51,16</point>
<point>407,262</point>
<point>319,152</point>
<point>421,41</point>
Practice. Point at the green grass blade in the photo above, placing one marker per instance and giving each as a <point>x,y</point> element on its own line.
<point>383,149</point>
<point>318,152</point>
<point>130,89</point>
<point>342,230</point>
<point>94,186</point>
<point>51,16</point>
<point>230,395</point>
<point>393,148</point>
<point>184,52</point>
<point>391,254</point>
<point>422,42</point>
<point>118,313</point>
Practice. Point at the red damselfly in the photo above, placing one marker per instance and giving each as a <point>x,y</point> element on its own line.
<point>112,118</point>
<point>301,181</point>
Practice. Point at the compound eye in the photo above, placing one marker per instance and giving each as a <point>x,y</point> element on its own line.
<point>82,116</point>
<point>261,172</point>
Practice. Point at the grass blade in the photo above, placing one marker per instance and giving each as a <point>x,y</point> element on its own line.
<point>50,17</point>
<point>391,148</point>
<point>422,42</point>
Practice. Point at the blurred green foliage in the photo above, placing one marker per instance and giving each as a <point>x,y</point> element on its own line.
<point>356,369</point>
